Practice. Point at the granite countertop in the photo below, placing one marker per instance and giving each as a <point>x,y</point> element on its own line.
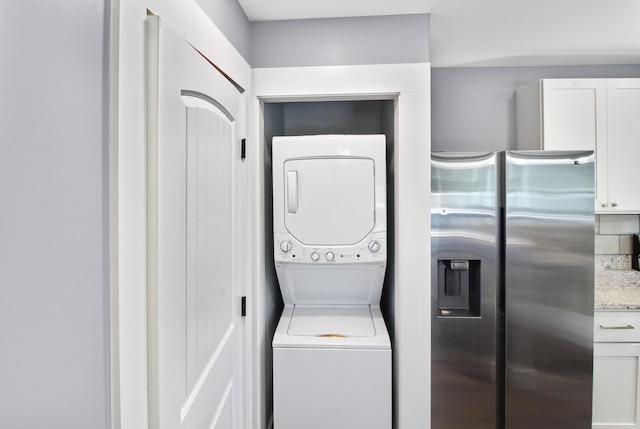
<point>617,289</point>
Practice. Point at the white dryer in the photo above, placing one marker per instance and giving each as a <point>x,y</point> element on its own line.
<point>331,349</point>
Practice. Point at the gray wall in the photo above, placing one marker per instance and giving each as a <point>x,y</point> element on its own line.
<point>474,108</point>
<point>340,41</point>
<point>232,22</point>
<point>318,42</point>
<point>54,367</point>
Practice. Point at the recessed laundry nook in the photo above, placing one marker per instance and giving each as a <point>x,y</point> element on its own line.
<point>344,320</point>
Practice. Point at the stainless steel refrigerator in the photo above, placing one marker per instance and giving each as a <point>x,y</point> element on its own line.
<point>512,290</point>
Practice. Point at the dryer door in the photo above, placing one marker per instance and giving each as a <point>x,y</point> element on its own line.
<point>329,201</point>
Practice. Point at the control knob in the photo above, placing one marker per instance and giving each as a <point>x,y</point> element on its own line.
<point>285,246</point>
<point>374,246</point>
<point>330,256</point>
<point>315,256</point>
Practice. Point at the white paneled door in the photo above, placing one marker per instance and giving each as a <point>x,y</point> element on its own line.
<point>195,353</point>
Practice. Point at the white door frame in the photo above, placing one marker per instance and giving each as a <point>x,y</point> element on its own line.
<point>127,172</point>
<point>409,86</point>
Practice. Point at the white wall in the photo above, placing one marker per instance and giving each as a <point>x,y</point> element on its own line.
<point>54,365</point>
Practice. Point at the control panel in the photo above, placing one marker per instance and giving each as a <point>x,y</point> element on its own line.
<point>288,249</point>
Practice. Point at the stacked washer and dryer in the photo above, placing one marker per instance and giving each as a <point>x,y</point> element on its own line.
<point>331,348</point>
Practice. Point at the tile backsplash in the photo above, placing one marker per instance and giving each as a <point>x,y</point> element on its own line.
<point>613,240</point>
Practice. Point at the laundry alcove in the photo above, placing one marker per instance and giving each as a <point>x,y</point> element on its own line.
<point>317,117</point>
<point>389,99</point>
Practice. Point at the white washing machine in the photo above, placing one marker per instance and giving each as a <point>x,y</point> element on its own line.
<point>331,349</point>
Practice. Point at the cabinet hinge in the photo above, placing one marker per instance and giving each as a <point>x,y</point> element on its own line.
<point>243,307</point>
<point>243,149</point>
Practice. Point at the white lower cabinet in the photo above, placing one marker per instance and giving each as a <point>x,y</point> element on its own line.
<point>616,366</point>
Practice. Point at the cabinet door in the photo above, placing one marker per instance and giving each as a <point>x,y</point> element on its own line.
<point>574,113</point>
<point>623,153</point>
<point>615,385</point>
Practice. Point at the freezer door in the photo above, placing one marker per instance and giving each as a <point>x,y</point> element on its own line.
<point>464,252</point>
<point>549,289</point>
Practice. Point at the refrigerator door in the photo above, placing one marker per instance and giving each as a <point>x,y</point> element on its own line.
<point>464,252</point>
<point>549,236</point>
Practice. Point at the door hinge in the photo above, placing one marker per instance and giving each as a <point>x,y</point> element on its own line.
<point>243,149</point>
<point>243,306</point>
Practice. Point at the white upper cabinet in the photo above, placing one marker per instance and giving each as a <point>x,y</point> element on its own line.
<point>623,146</point>
<point>587,114</point>
<point>561,114</point>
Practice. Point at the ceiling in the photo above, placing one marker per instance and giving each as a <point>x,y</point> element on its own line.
<point>465,33</point>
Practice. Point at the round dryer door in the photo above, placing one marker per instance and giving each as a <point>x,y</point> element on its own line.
<point>329,201</point>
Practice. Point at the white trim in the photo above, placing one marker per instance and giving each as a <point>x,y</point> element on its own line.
<point>190,22</point>
<point>255,305</point>
<point>337,82</point>
<point>114,299</point>
<point>409,85</point>
<point>247,320</point>
<point>152,82</point>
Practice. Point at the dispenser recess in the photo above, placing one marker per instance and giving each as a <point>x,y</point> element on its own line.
<point>458,288</point>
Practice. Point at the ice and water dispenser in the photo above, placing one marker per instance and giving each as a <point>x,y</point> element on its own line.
<point>459,288</point>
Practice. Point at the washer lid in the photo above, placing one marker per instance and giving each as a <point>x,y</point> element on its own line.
<point>329,201</point>
<point>332,321</point>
